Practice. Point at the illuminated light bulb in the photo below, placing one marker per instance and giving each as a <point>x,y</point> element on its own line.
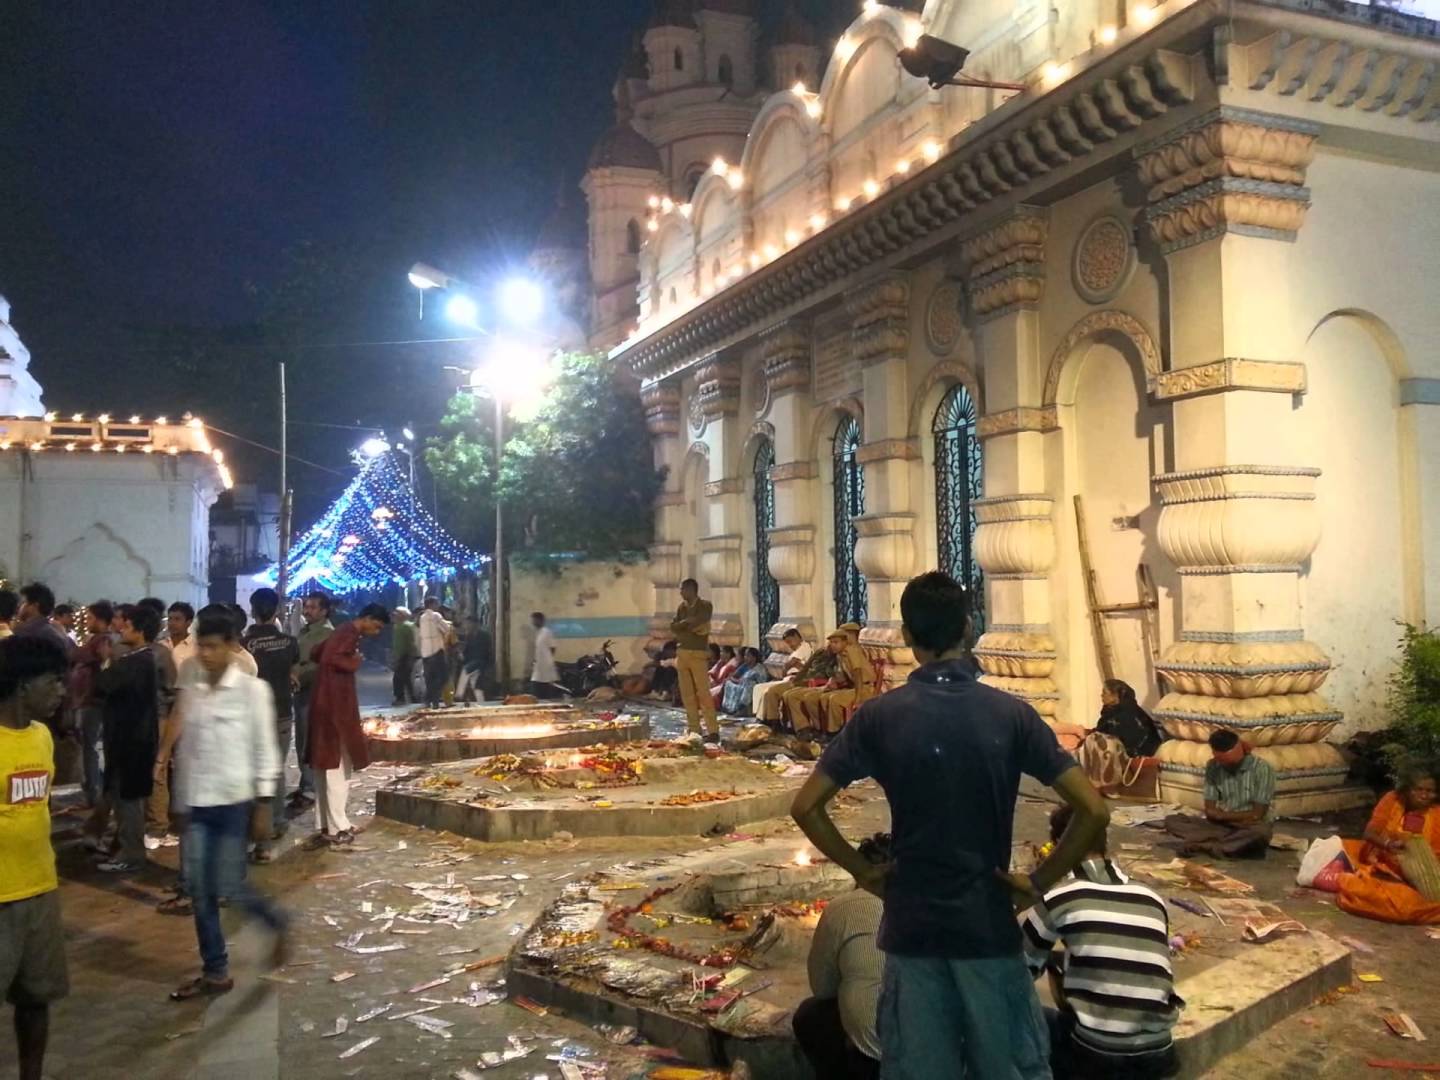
<point>120,448</point>
<point>902,166</point>
<point>771,251</point>
<point>813,108</point>
<point>97,447</point>
<point>1145,14</point>
<point>104,418</point>
<point>194,422</point>
<point>931,150</point>
<point>685,210</point>
<point>4,444</point>
<point>667,204</point>
<point>911,33</point>
<point>871,188</point>
<point>1108,35</point>
<point>736,179</point>
<point>70,447</point>
<point>1054,72</point>
<point>843,203</point>
<point>791,237</point>
<point>870,7</point>
<point>802,858</point>
<point>653,201</point>
<point>799,89</point>
<point>77,416</point>
<point>817,221</point>
<point>172,450</point>
<point>653,225</point>
<point>148,448</point>
<point>754,260</point>
<point>845,49</point>
<point>719,167</point>
<point>49,417</point>
<point>134,419</point>
<point>161,420</point>
<point>218,455</point>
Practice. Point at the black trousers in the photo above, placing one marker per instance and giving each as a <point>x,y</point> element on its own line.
<point>829,1050</point>
<point>437,670</point>
<point>400,689</point>
<point>1073,1060</point>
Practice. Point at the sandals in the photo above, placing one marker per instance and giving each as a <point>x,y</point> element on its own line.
<point>202,986</point>
<point>316,841</point>
<point>344,838</point>
<point>175,905</point>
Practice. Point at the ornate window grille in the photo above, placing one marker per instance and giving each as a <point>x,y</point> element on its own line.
<point>959,482</point>
<point>849,504</point>
<point>767,589</point>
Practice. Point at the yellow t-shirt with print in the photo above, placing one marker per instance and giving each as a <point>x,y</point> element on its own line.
<point>27,769</point>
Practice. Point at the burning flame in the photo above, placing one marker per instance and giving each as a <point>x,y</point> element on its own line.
<point>394,729</point>
<point>802,858</point>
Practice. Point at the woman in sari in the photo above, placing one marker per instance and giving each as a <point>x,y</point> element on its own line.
<point>1397,875</point>
<point>739,689</point>
<point>723,669</point>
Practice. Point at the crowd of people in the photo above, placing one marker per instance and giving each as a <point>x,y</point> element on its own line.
<point>436,652</point>
<point>183,721</point>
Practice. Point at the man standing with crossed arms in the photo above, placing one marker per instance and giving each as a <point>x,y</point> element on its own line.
<point>691,627</point>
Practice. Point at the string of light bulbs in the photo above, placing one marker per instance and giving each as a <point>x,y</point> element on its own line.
<point>376,534</point>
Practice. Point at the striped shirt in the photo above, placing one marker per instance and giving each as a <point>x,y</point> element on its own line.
<point>1251,783</point>
<point>1115,973</point>
<point>845,963</point>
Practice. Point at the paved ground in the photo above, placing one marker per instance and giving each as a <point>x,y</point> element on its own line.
<point>125,958</point>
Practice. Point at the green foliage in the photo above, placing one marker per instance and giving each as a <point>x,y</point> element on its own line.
<point>1415,701</point>
<point>576,474</point>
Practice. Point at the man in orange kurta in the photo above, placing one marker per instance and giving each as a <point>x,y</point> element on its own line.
<point>1378,888</point>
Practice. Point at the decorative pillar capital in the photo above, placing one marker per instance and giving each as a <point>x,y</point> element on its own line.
<point>662,409</point>
<point>1239,519</point>
<point>1006,263</point>
<point>880,318</point>
<point>717,388</point>
<point>1229,171</point>
<point>786,351</point>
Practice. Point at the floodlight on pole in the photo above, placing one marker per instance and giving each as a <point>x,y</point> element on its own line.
<point>408,433</point>
<point>522,301</point>
<point>424,276</point>
<point>938,62</point>
<point>374,446</point>
<point>460,309</point>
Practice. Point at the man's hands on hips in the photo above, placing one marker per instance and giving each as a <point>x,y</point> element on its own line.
<point>1023,893</point>
<point>873,878</point>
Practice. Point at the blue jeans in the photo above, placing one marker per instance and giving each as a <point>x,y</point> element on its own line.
<point>302,742</point>
<point>91,719</point>
<point>215,842</point>
<point>941,1019</point>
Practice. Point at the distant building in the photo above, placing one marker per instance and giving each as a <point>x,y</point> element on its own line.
<point>244,540</point>
<point>19,392</point>
<point>99,507</point>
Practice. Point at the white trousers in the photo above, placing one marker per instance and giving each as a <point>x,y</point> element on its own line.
<point>332,793</point>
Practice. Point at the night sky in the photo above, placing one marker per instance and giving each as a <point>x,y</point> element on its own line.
<point>161,158</point>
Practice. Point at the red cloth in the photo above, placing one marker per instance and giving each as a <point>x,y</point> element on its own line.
<point>334,707</point>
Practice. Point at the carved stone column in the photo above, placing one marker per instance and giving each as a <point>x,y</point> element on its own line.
<point>1238,519</point>
<point>1015,537</point>
<point>885,547</point>
<point>662,420</point>
<point>717,391</point>
<point>787,358</point>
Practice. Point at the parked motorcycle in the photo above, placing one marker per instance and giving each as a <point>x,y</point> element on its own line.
<point>590,672</point>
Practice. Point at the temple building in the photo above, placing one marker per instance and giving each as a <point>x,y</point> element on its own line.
<point>1179,278</point>
<point>102,507</point>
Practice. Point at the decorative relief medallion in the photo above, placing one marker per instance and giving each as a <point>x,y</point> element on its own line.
<point>943,325</point>
<point>1104,260</point>
<point>696,412</point>
<point>760,390</point>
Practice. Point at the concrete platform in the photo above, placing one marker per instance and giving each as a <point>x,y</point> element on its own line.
<point>463,800</point>
<point>1234,990</point>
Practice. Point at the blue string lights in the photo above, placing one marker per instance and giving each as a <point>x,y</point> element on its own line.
<point>376,534</point>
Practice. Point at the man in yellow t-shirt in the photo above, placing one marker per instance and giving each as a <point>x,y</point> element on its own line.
<point>32,949</point>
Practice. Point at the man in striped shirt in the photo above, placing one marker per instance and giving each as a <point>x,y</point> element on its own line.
<point>1113,986</point>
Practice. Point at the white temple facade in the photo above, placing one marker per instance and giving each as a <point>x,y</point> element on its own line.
<point>1186,275</point>
<point>19,392</point>
<point>105,507</point>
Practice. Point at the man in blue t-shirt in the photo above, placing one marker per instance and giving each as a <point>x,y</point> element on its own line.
<point>948,752</point>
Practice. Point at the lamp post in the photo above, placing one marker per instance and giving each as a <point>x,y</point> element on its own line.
<point>511,370</point>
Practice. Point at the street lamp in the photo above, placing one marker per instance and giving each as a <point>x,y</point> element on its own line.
<point>938,62</point>
<point>374,446</point>
<point>514,371</point>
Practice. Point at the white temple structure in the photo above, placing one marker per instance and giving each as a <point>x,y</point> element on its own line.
<point>1186,273</point>
<point>102,507</point>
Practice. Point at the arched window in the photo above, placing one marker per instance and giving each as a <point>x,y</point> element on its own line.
<point>959,482</point>
<point>679,60</point>
<point>849,504</point>
<point>767,589</point>
<point>632,237</point>
<point>693,176</point>
<point>725,71</point>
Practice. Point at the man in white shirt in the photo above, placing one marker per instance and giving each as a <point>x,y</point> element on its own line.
<point>782,665</point>
<point>433,632</point>
<point>227,768</point>
<point>836,1026</point>
<point>544,674</point>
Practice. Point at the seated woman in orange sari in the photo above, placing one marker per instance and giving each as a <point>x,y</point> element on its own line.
<point>1379,888</point>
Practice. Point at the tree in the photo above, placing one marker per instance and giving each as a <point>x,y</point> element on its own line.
<point>576,474</point>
